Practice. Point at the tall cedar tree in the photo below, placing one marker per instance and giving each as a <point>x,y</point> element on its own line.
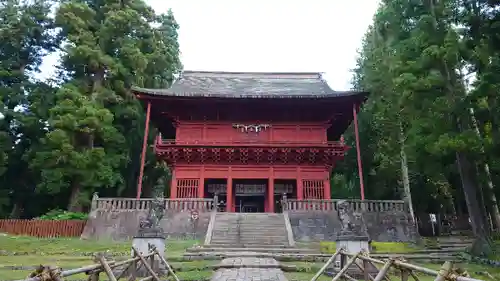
<point>109,47</point>
<point>26,35</point>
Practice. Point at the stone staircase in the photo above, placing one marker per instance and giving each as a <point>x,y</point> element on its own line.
<point>249,230</point>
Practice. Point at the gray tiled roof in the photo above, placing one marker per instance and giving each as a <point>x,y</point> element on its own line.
<point>248,85</point>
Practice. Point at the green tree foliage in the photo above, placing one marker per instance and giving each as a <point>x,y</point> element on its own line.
<point>429,131</point>
<point>65,140</point>
<point>25,37</point>
<point>415,59</point>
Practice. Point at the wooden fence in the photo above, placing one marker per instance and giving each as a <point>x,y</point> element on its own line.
<point>371,269</point>
<point>43,228</point>
<point>115,270</point>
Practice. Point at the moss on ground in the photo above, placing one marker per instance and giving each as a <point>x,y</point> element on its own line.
<point>328,247</point>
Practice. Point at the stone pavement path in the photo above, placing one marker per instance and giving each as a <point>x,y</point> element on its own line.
<point>248,269</point>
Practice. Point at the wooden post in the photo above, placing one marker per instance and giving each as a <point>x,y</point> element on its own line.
<point>366,272</point>
<point>344,269</point>
<point>367,275</point>
<point>383,271</point>
<point>94,276</point>
<point>414,276</point>
<point>152,260</point>
<point>443,272</point>
<point>145,263</point>
<point>107,269</point>
<point>330,260</point>
<point>133,269</point>
<point>404,274</point>
<point>169,268</point>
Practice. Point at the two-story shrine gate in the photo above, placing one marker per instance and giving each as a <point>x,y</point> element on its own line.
<point>250,137</point>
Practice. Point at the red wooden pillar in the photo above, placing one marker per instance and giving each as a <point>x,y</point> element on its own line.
<point>143,154</point>
<point>327,189</point>
<point>358,151</point>
<point>300,185</point>
<point>229,195</point>
<point>173,186</point>
<point>201,185</point>
<point>270,195</point>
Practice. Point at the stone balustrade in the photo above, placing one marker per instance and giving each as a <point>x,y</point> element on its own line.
<point>202,204</point>
<point>117,204</point>
<point>355,204</point>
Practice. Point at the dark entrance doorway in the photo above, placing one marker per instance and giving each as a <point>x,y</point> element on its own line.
<point>250,195</point>
<point>283,187</point>
<point>217,186</point>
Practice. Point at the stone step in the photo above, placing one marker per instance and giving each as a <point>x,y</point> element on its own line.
<point>263,243</point>
<point>251,249</point>
<point>250,230</point>
<point>250,245</point>
<point>251,233</point>
<point>261,225</point>
<point>248,262</point>
<point>257,243</point>
<point>313,257</point>
<point>263,238</point>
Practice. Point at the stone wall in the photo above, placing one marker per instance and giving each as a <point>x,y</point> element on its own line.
<point>317,220</point>
<point>118,218</point>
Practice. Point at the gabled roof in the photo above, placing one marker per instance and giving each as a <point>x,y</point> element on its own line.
<point>248,85</point>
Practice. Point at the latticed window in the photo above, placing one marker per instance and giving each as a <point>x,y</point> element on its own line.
<point>313,189</point>
<point>187,188</point>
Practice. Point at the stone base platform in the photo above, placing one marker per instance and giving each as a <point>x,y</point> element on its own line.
<point>248,269</point>
<point>212,248</point>
<point>313,257</point>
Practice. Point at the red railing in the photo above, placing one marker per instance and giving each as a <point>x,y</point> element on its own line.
<point>43,228</point>
<point>334,144</point>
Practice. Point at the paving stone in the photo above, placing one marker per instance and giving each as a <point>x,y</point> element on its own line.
<point>249,274</point>
<point>243,270</point>
<point>249,262</point>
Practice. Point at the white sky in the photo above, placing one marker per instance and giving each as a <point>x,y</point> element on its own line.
<point>268,35</point>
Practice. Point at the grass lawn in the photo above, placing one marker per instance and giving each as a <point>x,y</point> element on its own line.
<point>308,269</point>
<point>23,252</point>
<point>68,253</point>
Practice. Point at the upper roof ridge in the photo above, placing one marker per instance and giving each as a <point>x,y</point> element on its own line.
<point>257,75</point>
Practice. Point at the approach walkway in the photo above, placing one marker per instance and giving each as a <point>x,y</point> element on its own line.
<point>248,269</point>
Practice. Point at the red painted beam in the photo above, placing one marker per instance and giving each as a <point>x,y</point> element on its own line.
<point>143,154</point>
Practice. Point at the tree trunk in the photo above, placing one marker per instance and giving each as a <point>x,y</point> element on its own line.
<point>74,204</point>
<point>404,173</point>
<point>495,213</point>
<point>16,211</point>
<point>482,245</point>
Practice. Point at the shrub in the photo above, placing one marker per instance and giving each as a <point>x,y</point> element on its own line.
<point>59,214</point>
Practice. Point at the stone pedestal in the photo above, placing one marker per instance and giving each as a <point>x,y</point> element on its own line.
<point>353,244</point>
<point>142,242</point>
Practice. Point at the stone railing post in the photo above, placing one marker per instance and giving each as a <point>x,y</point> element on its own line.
<point>284,203</point>
<point>215,203</point>
<point>93,204</point>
